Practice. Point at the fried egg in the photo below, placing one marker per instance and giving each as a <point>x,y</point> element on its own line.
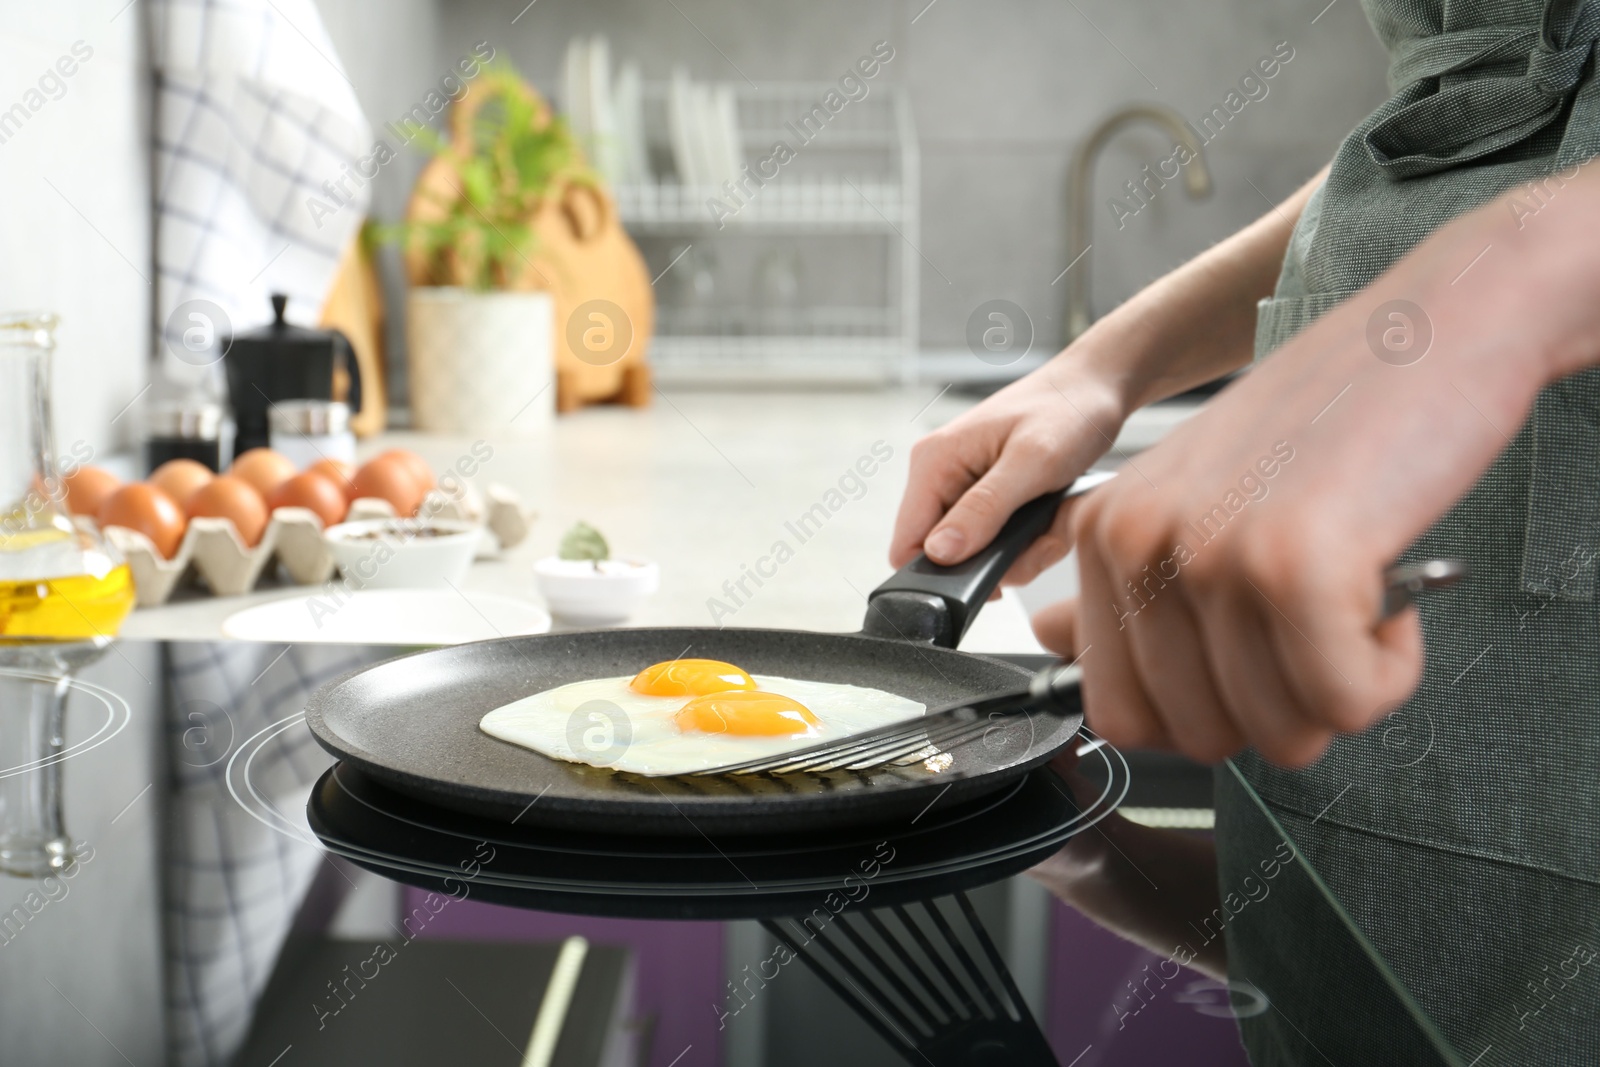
<point>688,715</point>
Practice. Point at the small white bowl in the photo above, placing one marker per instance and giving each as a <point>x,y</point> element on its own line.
<point>594,594</point>
<point>403,553</point>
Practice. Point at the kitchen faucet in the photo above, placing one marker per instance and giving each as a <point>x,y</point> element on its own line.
<point>1080,187</point>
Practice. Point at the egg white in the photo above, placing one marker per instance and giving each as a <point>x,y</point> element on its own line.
<point>605,724</point>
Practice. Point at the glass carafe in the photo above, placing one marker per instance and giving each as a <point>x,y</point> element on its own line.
<point>64,592</point>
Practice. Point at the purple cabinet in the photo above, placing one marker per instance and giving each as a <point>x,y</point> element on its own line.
<point>1111,1007</point>
<point>679,977</point>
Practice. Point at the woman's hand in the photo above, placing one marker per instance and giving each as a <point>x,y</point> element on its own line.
<point>1232,576</point>
<point>1035,435</point>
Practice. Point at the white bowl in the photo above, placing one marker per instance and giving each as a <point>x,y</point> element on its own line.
<point>587,593</point>
<point>403,553</point>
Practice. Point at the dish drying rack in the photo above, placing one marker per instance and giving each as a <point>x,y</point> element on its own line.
<point>857,177</point>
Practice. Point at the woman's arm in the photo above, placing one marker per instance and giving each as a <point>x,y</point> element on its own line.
<point>1041,432</point>
<point>1231,592</point>
<point>1198,322</point>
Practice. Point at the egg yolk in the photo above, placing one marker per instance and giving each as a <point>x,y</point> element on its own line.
<point>690,678</point>
<point>754,714</point>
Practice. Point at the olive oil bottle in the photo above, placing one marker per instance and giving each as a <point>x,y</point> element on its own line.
<point>64,592</point>
<point>82,607</point>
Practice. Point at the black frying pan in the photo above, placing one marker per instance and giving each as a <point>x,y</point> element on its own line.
<point>412,722</point>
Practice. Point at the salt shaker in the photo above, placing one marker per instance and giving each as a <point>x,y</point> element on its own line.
<point>310,430</point>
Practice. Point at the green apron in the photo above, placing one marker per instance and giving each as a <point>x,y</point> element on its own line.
<point>1462,836</point>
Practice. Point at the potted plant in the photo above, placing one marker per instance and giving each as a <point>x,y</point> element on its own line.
<point>480,316</point>
<point>585,585</point>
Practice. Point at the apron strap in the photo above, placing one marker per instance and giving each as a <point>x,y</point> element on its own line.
<point>1468,114</point>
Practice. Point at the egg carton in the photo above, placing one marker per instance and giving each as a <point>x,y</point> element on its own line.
<point>213,550</point>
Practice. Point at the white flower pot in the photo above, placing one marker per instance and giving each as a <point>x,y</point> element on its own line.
<point>481,362</point>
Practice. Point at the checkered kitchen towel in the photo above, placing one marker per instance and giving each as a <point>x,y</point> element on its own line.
<point>232,884</point>
<point>253,114</point>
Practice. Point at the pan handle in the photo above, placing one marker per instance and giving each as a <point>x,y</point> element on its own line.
<point>925,603</point>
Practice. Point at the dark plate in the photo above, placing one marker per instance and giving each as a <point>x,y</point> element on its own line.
<point>412,723</point>
<point>641,876</point>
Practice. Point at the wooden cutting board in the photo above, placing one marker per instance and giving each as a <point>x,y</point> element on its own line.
<point>355,308</point>
<point>605,308</point>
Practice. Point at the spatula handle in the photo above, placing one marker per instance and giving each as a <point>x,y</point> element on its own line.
<point>1056,689</point>
<point>1404,581</point>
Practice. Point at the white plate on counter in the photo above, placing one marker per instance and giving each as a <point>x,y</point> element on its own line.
<point>388,617</point>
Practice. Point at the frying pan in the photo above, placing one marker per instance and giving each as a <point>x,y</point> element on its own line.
<point>412,722</point>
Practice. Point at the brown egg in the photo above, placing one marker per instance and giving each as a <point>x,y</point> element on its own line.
<point>420,471</point>
<point>388,479</point>
<point>87,489</point>
<point>179,478</point>
<point>264,469</point>
<point>229,497</point>
<point>311,490</point>
<point>338,472</point>
<point>150,511</point>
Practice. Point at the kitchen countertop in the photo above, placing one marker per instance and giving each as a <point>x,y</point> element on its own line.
<point>708,484</point>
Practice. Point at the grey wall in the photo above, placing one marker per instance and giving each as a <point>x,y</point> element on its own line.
<point>74,179</point>
<point>1002,91</point>
<point>75,240</point>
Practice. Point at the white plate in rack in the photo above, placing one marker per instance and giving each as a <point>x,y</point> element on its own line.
<point>388,617</point>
